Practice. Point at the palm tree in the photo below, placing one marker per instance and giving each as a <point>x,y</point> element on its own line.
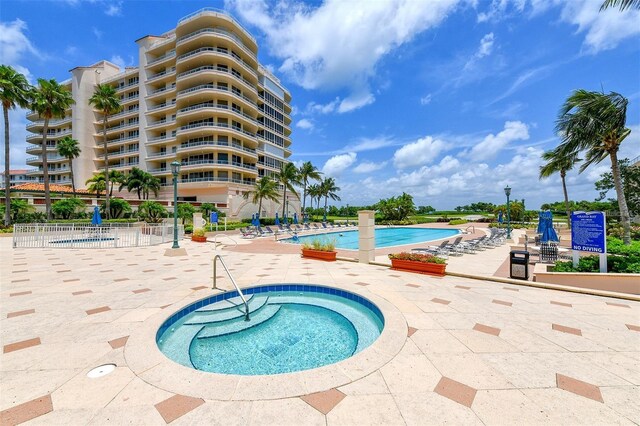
<point>150,183</point>
<point>622,4</point>
<point>307,171</point>
<point>107,102</point>
<point>595,122</point>
<point>557,163</point>
<point>134,181</point>
<point>96,184</point>
<point>264,188</point>
<point>315,193</point>
<point>328,190</point>
<point>14,91</point>
<point>288,177</point>
<point>50,100</point>
<point>116,177</point>
<point>69,148</point>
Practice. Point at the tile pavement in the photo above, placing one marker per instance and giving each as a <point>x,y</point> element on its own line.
<point>476,352</point>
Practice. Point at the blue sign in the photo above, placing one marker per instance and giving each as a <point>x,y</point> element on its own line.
<point>588,232</point>
<point>214,217</point>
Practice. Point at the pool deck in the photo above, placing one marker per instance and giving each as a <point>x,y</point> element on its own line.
<point>462,351</point>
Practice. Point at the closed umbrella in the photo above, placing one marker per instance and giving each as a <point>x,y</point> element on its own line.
<point>500,217</point>
<point>324,216</point>
<point>295,218</point>
<point>548,233</point>
<point>96,219</point>
<point>277,220</point>
<point>541,216</point>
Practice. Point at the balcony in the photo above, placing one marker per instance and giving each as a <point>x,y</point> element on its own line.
<point>117,141</point>
<point>204,89</point>
<point>220,107</point>
<point>215,125</point>
<point>168,55</point>
<point>218,32</point>
<point>220,70</point>
<point>161,123</point>
<point>161,140</point>
<point>122,114</point>
<point>218,51</point>
<point>185,147</point>
<point>161,74</point>
<point>213,180</point>
<point>161,91</point>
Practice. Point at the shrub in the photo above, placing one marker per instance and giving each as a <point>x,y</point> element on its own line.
<point>198,232</point>
<point>320,244</point>
<point>458,222</point>
<point>615,264</point>
<point>417,257</point>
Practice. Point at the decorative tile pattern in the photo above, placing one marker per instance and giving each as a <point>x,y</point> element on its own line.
<point>441,301</point>
<point>21,281</point>
<point>98,310</point>
<point>413,285</point>
<point>619,305</point>
<point>568,305</point>
<point>362,284</point>
<point>148,270</point>
<point>456,391</point>
<point>200,287</point>
<point>633,327</point>
<point>464,287</point>
<point>511,288</point>
<point>117,280</point>
<point>118,343</point>
<point>324,401</point>
<point>20,293</point>
<point>78,293</point>
<point>70,280</point>
<point>20,313</point>
<point>26,411</point>
<point>63,271</point>
<point>410,331</point>
<point>12,347</point>
<point>141,290</point>
<point>486,329</point>
<point>501,302</point>
<point>169,278</point>
<point>564,329</point>
<point>352,275</point>
<point>177,406</point>
<point>579,387</point>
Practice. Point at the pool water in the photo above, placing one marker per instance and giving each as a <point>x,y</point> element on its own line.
<point>385,237</point>
<point>288,331</point>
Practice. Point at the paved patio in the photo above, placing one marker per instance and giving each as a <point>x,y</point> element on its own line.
<point>475,352</point>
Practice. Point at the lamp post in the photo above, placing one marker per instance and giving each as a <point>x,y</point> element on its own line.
<point>523,212</point>
<point>175,170</point>
<point>507,192</point>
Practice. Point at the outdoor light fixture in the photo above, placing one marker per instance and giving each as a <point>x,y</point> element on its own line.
<point>175,170</point>
<point>507,192</point>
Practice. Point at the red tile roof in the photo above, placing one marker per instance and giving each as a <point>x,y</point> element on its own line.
<point>39,187</point>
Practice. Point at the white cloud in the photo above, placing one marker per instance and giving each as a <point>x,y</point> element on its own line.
<point>117,59</point>
<point>368,167</point>
<point>339,43</point>
<point>337,164</point>
<point>14,45</point>
<point>604,30</point>
<point>305,124</point>
<point>314,108</point>
<point>492,144</point>
<point>426,100</point>
<point>370,144</point>
<point>418,153</point>
<point>97,33</point>
<point>485,49</point>
<point>113,9</point>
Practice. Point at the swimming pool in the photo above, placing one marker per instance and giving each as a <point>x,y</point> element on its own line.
<point>293,327</point>
<point>385,237</point>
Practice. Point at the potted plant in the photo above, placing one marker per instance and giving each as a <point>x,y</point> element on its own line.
<point>421,263</point>
<point>199,236</point>
<point>320,249</point>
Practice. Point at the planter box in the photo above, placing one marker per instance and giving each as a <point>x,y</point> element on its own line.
<point>620,283</point>
<point>329,256</point>
<point>199,239</point>
<point>436,269</point>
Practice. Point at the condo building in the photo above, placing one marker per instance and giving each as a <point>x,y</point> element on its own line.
<point>199,96</point>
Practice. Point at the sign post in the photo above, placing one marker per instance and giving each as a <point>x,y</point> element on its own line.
<point>589,233</point>
<point>213,218</point>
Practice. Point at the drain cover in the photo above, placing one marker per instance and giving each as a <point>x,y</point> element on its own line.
<point>101,370</point>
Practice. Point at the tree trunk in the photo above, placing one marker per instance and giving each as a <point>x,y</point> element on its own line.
<point>259,208</point>
<point>284,201</point>
<point>73,183</point>
<point>622,202</point>
<point>107,210</point>
<point>326,198</point>
<point>45,169</point>
<point>7,167</point>
<point>304,196</point>
<point>566,197</point>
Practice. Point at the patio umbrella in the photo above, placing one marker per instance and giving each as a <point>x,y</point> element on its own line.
<point>500,220</point>
<point>295,218</point>
<point>324,216</point>
<point>284,219</point>
<point>305,218</point>
<point>96,219</point>
<point>277,219</point>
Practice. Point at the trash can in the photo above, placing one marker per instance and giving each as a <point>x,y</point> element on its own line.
<point>519,264</point>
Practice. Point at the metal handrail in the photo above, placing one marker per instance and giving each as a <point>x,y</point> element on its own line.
<point>246,305</point>
<point>215,239</point>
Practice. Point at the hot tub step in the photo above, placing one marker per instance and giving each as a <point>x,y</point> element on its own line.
<point>261,316</point>
<point>212,317</point>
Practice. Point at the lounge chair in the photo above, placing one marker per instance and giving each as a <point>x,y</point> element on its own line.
<point>307,227</point>
<point>433,249</point>
<point>315,226</point>
<point>246,233</point>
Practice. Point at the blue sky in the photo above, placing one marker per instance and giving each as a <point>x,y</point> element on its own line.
<point>446,100</point>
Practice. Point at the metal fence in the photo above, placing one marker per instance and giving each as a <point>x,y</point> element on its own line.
<point>81,235</point>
